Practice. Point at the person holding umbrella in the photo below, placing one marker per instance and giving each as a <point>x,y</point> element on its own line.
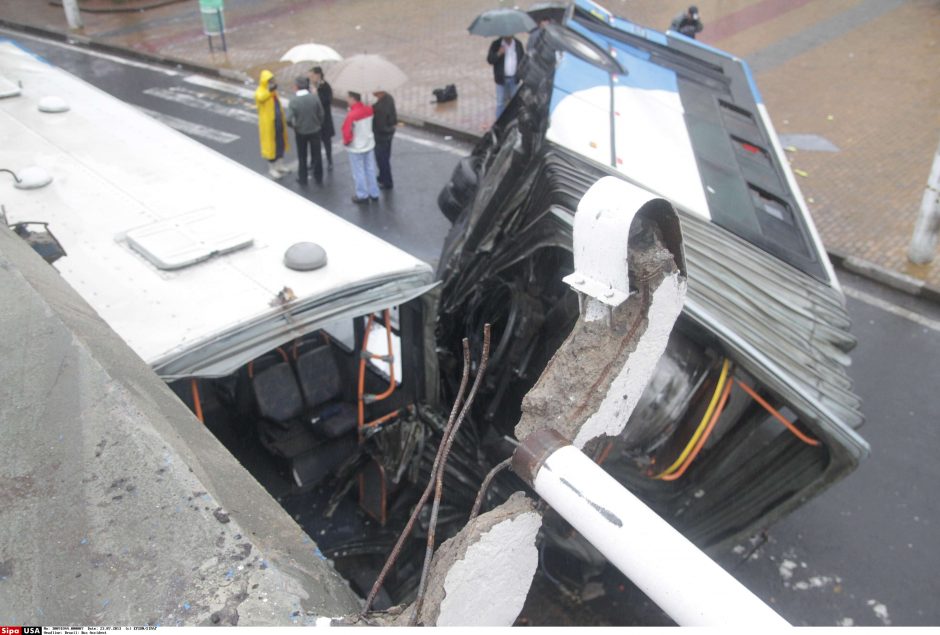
<point>504,56</point>
<point>325,93</point>
<point>506,53</point>
<point>384,122</point>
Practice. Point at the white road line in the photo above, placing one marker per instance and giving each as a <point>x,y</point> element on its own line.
<point>93,53</point>
<point>194,129</point>
<point>223,86</point>
<point>871,300</point>
<point>437,145</point>
<point>182,96</point>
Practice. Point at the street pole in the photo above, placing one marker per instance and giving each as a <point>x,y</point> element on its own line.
<point>924,241</point>
<point>72,14</point>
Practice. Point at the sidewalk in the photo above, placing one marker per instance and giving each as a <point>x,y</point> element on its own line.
<point>858,74</point>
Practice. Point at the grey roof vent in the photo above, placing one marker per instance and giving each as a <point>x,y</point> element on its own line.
<point>304,256</point>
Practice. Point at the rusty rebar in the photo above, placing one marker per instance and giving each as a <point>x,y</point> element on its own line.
<point>485,485</point>
<point>429,551</point>
<point>396,551</point>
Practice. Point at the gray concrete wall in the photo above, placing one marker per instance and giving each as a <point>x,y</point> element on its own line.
<point>116,505</point>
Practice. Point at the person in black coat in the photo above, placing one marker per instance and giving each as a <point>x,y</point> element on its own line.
<point>688,23</point>
<point>325,93</point>
<point>505,55</point>
<point>384,121</point>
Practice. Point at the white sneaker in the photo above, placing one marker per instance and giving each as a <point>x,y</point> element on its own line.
<point>274,173</point>
<point>282,167</point>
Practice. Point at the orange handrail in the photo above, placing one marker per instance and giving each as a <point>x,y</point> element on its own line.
<point>366,355</point>
<point>197,403</point>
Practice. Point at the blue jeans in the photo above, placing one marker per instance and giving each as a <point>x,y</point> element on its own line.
<point>504,93</point>
<point>362,165</point>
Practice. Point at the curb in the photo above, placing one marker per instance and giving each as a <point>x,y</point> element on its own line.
<point>91,43</point>
<point>153,5</point>
<point>888,277</point>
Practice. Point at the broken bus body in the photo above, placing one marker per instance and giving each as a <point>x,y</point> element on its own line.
<point>331,385</point>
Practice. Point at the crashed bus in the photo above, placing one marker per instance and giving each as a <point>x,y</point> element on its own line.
<point>327,361</point>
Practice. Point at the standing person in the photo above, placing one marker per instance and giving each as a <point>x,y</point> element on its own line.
<point>305,116</point>
<point>688,23</point>
<point>359,142</point>
<point>384,121</point>
<point>504,55</point>
<point>272,129</point>
<point>536,34</point>
<point>325,93</point>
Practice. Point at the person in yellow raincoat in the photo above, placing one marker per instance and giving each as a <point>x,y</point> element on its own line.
<point>272,127</point>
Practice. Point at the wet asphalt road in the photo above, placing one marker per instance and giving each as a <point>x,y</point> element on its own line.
<point>865,552</point>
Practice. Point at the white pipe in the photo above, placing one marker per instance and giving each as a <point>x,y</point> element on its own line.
<point>672,571</point>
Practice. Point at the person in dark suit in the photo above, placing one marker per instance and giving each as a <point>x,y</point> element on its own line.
<point>384,121</point>
<point>327,131</point>
<point>505,55</point>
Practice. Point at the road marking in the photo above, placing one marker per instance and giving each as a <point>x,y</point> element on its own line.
<point>223,86</point>
<point>186,97</point>
<point>93,53</point>
<point>194,129</point>
<point>894,309</point>
<point>437,145</point>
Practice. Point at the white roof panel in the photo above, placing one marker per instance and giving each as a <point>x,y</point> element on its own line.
<point>116,169</point>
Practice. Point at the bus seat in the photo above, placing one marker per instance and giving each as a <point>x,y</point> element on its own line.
<point>322,386</point>
<point>310,468</point>
<point>277,394</point>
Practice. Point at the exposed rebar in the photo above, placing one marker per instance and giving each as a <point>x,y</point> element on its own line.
<point>396,551</point>
<point>486,483</point>
<point>429,551</point>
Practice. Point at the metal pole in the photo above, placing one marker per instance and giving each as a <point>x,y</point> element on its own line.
<point>221,29</point>
<point>672,571</point>
<point>72,15</point>
<point>924,241</point>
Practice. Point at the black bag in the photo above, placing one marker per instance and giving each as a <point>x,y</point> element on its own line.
<point>448,93</point>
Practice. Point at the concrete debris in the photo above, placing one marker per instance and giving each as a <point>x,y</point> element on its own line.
<point>481,576</point>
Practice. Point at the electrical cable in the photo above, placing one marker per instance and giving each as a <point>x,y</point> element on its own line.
<point>779,417</point>
<point>703,424</point>
<point>701,442</point>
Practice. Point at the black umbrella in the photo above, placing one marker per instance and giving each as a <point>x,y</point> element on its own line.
<point>547,11</point>
<point>501,22</point>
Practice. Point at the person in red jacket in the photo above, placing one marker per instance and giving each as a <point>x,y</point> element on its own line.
<point>360,145</point>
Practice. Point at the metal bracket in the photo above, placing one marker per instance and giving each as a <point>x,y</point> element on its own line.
<point>601,234</point>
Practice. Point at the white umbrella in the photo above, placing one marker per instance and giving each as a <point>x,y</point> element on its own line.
<point>366,74</point>
<point>311,53</point>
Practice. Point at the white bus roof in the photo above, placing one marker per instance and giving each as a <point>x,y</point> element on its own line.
<point>116,170</point>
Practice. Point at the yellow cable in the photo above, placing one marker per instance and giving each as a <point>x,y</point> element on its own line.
<point>704,423</point>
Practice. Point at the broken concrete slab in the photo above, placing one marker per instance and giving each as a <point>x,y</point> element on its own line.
<point>481,576</point>
<point>593,382</point>
<point>111,518</point>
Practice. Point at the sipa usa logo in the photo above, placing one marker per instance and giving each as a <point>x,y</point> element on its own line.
<point>11,630</point>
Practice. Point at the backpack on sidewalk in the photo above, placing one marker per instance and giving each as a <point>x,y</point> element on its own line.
<point>448,93</point>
